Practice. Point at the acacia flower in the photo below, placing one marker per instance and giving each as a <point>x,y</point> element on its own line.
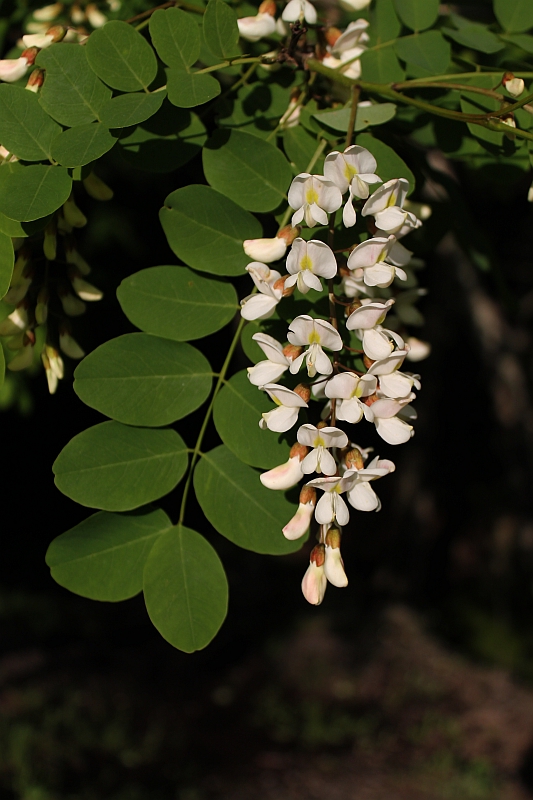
<point>418,350</point>
<point>331,506</point>
<point>387,365</point>
<point>262,306</point>
<point>515,86</point>
<point>314,581</point>
<point>263,24</point>
<point>353,170</point>
<point>383,413</point>
<point>369,314</point>
<point>348,388</point>
<point>16,322</point>
<point>354,5</point>
<point>313,198</point>
<point>277,362</point>
<point>333,563</point>
<point>386,206</point>
<point>286,475</point>
<point>54,367</point>
<point>316,333</point>
<point>268,250</point>
<point>398,384</point>
<point>288,404</point>
<point>299,10</point>
<point>372,256</point>
<point>306,261</point>
<point>361,495</point>
<point>300,522</point>
<point>42,40</point>
<point>13,69</point>
<point>319,459</point>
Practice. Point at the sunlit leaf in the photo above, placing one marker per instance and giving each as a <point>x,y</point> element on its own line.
<point>176,37</point>
<point>121,57</point>
<point>221,33</point>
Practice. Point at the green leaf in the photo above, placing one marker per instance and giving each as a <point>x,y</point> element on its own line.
<point>78,146</point>
<point>176,303</point>
<point>238,505</point>
<point>34,192</point>
<point>221,32</point>
<point>185,589</point>
<point>300,147</point>
<point>480,104</point>
<point>522,40</point>
<point>176,37</point>
<point>165,142</point>
<point>130,109</point>
<point>384,24</point>
<point>515,16</point>
<point>72,94</point>
<point>250,171</point>
<point>187,90</point>
<point>7,262</point>
<point>206,230</point>
<point>476,37</point>
<point>140,379</point>
<point>390,165</point>
<point>121,57</point>
<point>236,415</point>
<point>376,114</point>
<point>417,14</point>
<point>117,468</point>
<point>103,557</point>
<point>25,129</point>
<point>21,229</point>
<point>381,66</point>
<point>427,50</point>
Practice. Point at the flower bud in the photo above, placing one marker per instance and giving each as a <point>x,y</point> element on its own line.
<point>30,55</point>
<point>287,475</point>
<point>95,16</point>
<point>299,450</point>
<point>331,35</point>
<point>268,7</point>
<point>314,581</point>
<point>289,234</point>
<point>292,351</point>
<point>42,40</point>
<point>73,215</point>
<point>83,289</point>
<point>303,391</point>
<point>318,555</point>
<point>16,322</point>
<point>299,524</point>
<point>74,258</point>
<point>308,495</point>
<point>321,424</point>
<point>265,250</point>
<point>333,538</point>
<point>96,188</point>
<point>367,361</point>
<point>77,15</point>
<point>72,306</point>
<point>280,286</point>
<point>24,357</point>
<point>354,459</point>
<point>50,241</point>
<point>515,86</point>
<point>333,563</point>
<point>41,309</point>
<point>508,119</point>
<point>35,80</point>
<point>69,345</point>
<point>354,305</point>
<point>48,13</point>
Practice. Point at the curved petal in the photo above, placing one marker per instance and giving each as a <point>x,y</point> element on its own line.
<point>334,567</point>
<point>363,497</point>
<point>281,419</point>
<point>367,253</point>
<point>342,513</point>
<point>314,582</point>
<point>341,386</point>
<point>283,477</point>
<point>265,372</point>
<point>327,463</point>
<point>393,430</point>
<point>299,524</point>
<point>381,275</point>
<point>258,306</point>
<point>376,344</point>
<point>325,509</point>
<point>310,462</point>
<point>350,410</point>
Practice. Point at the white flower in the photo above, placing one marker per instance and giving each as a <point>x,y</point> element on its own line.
<point>352,69</point>
<point>348,388</point>
<point>361,495</point>
<point>331,507</point>
<point>273,368</point>
<point>265,250</point>
<point>69,345</point>
<point>319,459</point>
<point>398,384</point>
<point>254,28</point>
<point>368,315</point>
<point>355,34</point>
<point>48,13</point>
<point>299,10</point>
<point>372,257</point>
<point>40,40</point>
<point>84,289</point>
<point>378,342</point>
<point>312,196</point>
<point>262,306</point>
<point>383,414</point>
<point>72,305</point>
<point>300,522</point>
<point>288,403</point>
<point>333,563</point>
<point>13,69</point>
<point>515,86</point>
<point>287,475</point>
<point>314,581</point>
<point>418,350</point>
<point>54,367</point>
<point>306,261</point>
<point>354,5</point>
<point>16,322</point>
<point>316,333</point>
<point>95,16</point>
<point>353,170</point>
<point>386,206</point>
<point>388,364</point>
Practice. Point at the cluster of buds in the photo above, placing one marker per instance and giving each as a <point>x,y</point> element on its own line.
<point>368,291</point>
<point>79,18</point>
<point>48,287</point>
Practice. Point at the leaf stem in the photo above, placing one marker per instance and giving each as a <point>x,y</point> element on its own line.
<point>230,62</point>
<point>196,452</point>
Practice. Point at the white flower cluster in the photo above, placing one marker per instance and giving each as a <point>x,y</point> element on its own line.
<point>382,395</point>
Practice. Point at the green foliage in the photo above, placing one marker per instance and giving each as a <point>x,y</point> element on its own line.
<point>176,37</point>
<point>72,94</point>
<point>417,14</point>
<point>221,33</point>
<point>429,50</point>
<point>103,557</point>
<point>515,16</point>
<point>25,129</point>
<point>239,507</point>
<point>115,467</point>
<point>176,303</point>
<point>33,192</point>
<point>78,146</point>
<point>376,114</point>
<point>251,172</point>
<point>120,56</point>
<point>206,230</point>
<point>7,260</point>
<point>187,91</point>
<point>389,162</point>
<point>130,109</point>
<point>185,589</point>
<point>382,66</point>
<point>477,37</point>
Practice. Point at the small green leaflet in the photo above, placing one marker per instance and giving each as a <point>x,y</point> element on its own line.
<point>116,467</point>
<point>239,507</point>
<point>130,109</point>
<point>187,90</point>
<point>82,144</point>
<point>185,589</point>
<point>177,303</point>
<point>417,14</point>
<point>176,37</point>
<point>25,129</point>
<point>103,557</point>
<point>206,230</point>
<point>121,57</point>
<point>428,50</point>
<point>515,16</point>
<point>33,192</point>
<point>375,114</point>
<point>221,33</point>
<point>166,141</point>
<point>144,380</point>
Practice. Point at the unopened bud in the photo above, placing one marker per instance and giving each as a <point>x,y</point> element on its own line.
<point>292,351</point>
<point>48,13</point>
<point>41,308</point>
<point>331,35</point>
<point>50,241</point>
<point>289,234</point>
<point>299,450</point>
<point>268,7</point>
<point>280,285</point>
<point>345,272</point>
<point>77,15</point>
<point>57,32</point>
<point>322,424</point>
<point>509,119</point>
<point>370,400</point>
<point>354,459</point>
<point>354,305</point>
<point>515,86</point>
<point>265,250</point>
<point>96,188</point>
<point>95,16</point>
<point>308,495</point>
<point>35,81</point>
<point>318,555</point>
<point>30,55</point>
<point>333,538</point>
<point>73,215</point>
<point>367,361</point>
<point>303,391</point>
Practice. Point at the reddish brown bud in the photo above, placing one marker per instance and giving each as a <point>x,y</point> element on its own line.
<point>508,76</point>
<point>370,400</point>
<point>30,54</point>
<point>333,538</point>
<point>280,284</point>
<point>29,338</point>
<point>308,495</point>
<point>354,459</point>
<point>353,307</point>
<point>36,78</point>
<point>303,391</point>
<point>331,35</point>
<point>289,234</point>
<point>58,32</point>
<point>367,361</point>
<point>292,351</point>
<point>268,7</point>
<point>299,450</point>
<point>318,555</point>
<point>345,272</point>
<point>322,424</point>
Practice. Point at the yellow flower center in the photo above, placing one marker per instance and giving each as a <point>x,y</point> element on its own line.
<point>311,196</point>
<point>319,442</point>
<point>349,171</point>
<point>306,263</point>
<point>314,337</point>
